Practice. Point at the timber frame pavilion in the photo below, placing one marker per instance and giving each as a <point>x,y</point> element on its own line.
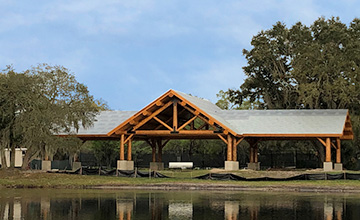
<point>176,115</point>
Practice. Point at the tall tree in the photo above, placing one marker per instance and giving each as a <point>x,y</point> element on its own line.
<point>310,67</point>
<point>39,103</point>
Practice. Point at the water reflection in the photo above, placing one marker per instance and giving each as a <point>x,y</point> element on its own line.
<point>105,204</point>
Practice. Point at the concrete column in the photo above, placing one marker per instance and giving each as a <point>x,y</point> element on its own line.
<point>46,165</point>
<point>76,165</point>
<point>338,166</point>
<point>156,166</point>
<point>231,165</point>
<point>125,165</point>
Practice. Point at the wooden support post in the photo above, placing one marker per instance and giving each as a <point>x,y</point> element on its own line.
<point>153,147</point>
<point>129,149</point>
<point>251,154</point>
<point>338,150</point>
<point>122,140</point>
<point>159,150</point>
<point>328,150</point>
<point>234,150</point>
<point>175,116</point>
<point>255,153</point>
<point>229,148</point>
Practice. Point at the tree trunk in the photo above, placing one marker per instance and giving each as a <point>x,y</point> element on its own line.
<point>3,159</point>
<point>12,156</point>
<point>29,156</point>
<point>12,148</point>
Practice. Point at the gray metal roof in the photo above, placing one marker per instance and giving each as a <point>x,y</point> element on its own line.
<point>243,121</point>
<point>106,121</point>
<point>330,121</point>
<point>208,107</point>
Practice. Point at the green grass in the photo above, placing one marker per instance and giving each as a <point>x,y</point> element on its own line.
<point>18,179</point>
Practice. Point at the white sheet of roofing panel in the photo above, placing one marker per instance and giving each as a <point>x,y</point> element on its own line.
<point>286,121</point>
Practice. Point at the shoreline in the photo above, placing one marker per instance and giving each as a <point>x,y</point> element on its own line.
<point>179,181</point>
<point>229,187</point>
<point>219,187</point>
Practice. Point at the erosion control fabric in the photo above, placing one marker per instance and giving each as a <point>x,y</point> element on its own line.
<point>319,176</point>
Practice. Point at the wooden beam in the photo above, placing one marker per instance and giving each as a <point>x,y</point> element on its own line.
<point>153,153</point>
<point>188,122</point>
<point>333,145</point>
<point>159,150</point>
<point>163,123</point>
<point>202,126</point>
<point>146,113</point>
<point>127,139</point>
<point>198,114</point>
<point>152,116</point>
<point>163,144</point>
<point>222,138</point>
<point>159,103</point>
<point>256,148</point>
<point>322,141</point>
<point>338,150</point>
<point>129,149</point>
<point>251,154</point>
<point>182,132</point>
<point>167,121</point>
<point>234,150</point>
<point>328,150</point>
<point>122,156</point>
<point>238,142</point>
<point>229,147</point>
<point>175,116</point>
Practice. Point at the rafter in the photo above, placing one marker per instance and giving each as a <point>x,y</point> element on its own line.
<point>186,123</point>
<point>127,139</point>
<point>198,114</point>
<point>152,116</point>
<point>222,138</point>
<point>322,141</point>
<point>163,123</point>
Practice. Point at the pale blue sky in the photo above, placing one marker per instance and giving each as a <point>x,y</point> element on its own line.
<point>130,52</point>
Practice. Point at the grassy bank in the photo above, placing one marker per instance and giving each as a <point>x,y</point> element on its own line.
<point>179,180</point>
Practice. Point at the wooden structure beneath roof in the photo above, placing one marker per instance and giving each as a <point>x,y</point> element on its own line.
<point>174,116</point>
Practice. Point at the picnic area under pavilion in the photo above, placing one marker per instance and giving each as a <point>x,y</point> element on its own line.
<point>176,115</point>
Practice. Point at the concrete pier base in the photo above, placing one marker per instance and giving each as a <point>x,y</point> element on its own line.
<point>156,166</point>
<point>125,165</point>
<point>253,166</point>
<point>328,166</point>
<point>231,165</point>
<point>338,166</point>
<point>76,165</point>
<point>46,165</point>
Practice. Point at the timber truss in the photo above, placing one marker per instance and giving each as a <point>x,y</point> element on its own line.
<point>172,117</point>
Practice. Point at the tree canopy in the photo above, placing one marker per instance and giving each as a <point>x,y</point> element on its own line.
<point>38,103</point>
<point>315,67</point>
<point>303,67</point>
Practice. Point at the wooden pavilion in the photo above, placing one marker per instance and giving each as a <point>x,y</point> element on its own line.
<point>176,115</point>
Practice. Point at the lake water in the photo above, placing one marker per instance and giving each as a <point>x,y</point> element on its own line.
<point>124,204</point>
